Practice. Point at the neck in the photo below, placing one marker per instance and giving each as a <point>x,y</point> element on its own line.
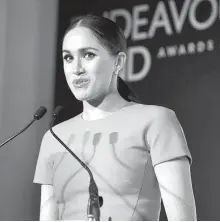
<point>102,108</point>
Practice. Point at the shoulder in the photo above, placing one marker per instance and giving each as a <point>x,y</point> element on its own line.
<point>66,125</point>
<point>162,114</point>
<point>160,111</point>
<point>164,118</point>
<point>49,145</point>
<point>163,122</point>
<point>62,128</point>
<point>157,118</point>
<point>154,112</point>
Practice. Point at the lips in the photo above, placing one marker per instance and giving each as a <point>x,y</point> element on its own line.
<point>80,82</point>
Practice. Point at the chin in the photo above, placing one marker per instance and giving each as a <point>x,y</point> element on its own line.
<point>86,95</point>
<point>81,97</point>
<point>80,94</point>
<point>90,99</point>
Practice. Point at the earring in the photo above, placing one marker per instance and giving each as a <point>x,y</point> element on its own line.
<point>117,70</point>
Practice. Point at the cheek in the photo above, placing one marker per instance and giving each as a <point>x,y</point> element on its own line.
<point>67,71</point>
<point>101,69</point>
<point>65,68</point>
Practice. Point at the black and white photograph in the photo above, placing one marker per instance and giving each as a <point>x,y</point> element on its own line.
<point>109,110</point>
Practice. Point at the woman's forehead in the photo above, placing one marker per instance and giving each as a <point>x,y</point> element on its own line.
<point>80,37</point>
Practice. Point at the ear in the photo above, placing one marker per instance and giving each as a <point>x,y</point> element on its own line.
<point>120,61</point>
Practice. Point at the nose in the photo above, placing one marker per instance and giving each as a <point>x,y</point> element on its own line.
<point>77,67</point>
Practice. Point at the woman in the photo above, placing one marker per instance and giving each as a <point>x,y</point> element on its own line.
<point>137,153</point>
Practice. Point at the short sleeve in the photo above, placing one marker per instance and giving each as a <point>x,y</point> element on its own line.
<point>166,138</point>
<point>44,167</point>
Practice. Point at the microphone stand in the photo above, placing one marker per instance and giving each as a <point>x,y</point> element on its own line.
<point>17,133</point>
<point>38,115</point>
<point>95,201</point>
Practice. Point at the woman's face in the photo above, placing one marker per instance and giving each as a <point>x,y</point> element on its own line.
<point>88,66</point>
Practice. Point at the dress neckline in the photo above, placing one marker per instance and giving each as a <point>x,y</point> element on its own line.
<point>110,115</point>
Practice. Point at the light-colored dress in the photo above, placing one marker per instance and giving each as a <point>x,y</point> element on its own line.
<point>121,150</point>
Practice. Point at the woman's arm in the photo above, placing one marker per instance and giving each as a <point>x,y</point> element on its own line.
<point>174,178</point>
<point>48,206</point>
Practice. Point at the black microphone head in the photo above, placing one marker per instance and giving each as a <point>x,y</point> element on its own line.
<point>57,111</point>
<point>40,113</point>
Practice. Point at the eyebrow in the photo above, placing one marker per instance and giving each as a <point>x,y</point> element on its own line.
<point>81,49</point>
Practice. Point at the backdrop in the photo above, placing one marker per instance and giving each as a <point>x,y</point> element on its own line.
<point>173,61</point>
<point>27,54</point>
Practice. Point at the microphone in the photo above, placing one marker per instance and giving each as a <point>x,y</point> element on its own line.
<point>38,115</point>
<point>95,201</point>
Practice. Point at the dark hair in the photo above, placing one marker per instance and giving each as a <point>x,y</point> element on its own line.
<point>110,36</point>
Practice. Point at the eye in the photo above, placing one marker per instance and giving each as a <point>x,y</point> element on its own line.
<point>89,55</point>
<point>67,58</point>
